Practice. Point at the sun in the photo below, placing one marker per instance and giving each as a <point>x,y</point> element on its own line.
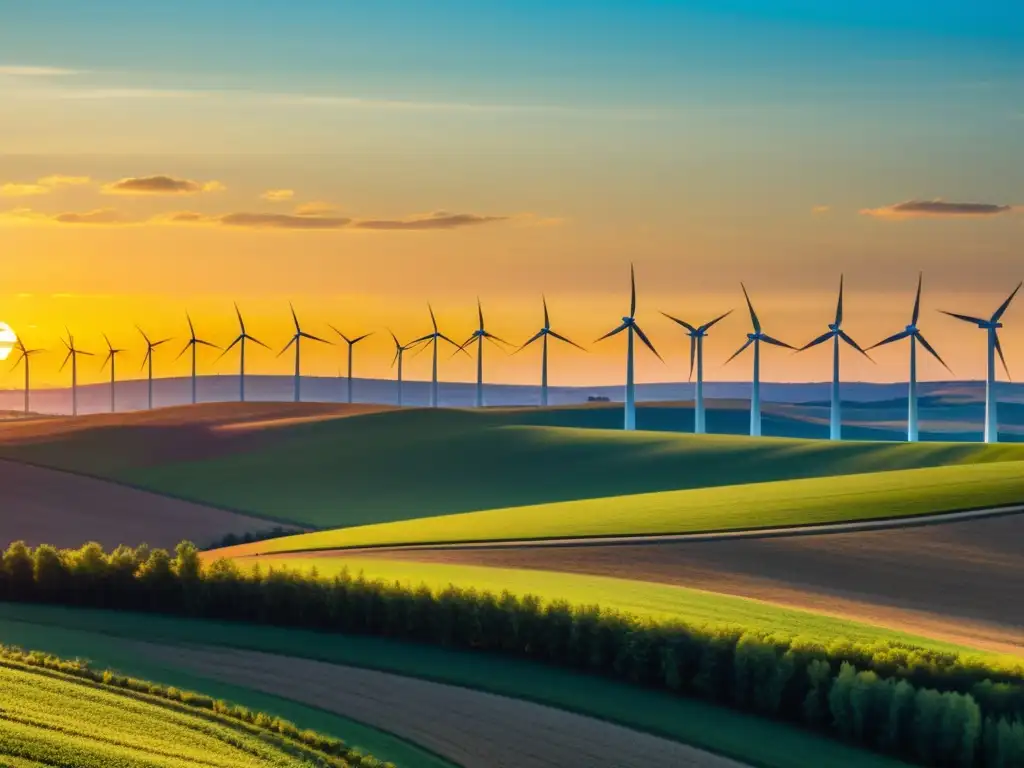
<point>7,339</point>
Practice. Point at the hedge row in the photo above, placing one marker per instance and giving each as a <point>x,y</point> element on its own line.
<point>328,751</point>
<point>234,539</point>
<point>931,707</point>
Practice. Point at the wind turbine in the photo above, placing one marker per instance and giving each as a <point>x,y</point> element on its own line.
<point>433,338</point>
<point>543,334</point>
<point>72,355</point>
<point>755,338</point>
<point>240,339</point>
<point>835,332</point>
<point>913,333</point>
<point>24,354</point>
<point>400,350</point>
<point>147,361</point>
<point>697,335</point>
<point>296,339</point>
<point>992,326</point>
<point>111,357</point>
<point>630,326</point>
<point>192,343</point>
<point>478,336</point>
<point>351,343</point>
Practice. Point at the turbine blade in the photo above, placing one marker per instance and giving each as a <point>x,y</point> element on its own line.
<point>241,322</point>
<point>186,347</point>
<point>560,337</point>
<point>999,349</point>
<point>917,300</point>
<point>611,333</point>
<point>107,339</point>
<point>256,341</point>
<point>295,318</point>
<point>148,342</point>
<point>753,315</point>
<point>530,341</point>
<point>162,341</point>
<point>544,300</point>
<point>823,338</point>
<point>1005,304</point>
<point>493,338</point>
<point>445,338</point>
<point>311,337</point>
<point>693,354</point>
<point>966,318</point>
<point>891,339</point>
<point>191,328</point>
<point>288,345</point>
<point>149,353</point>
<point>839,304</point>
<point>357,339</point>
<point>68,357</point>
<point>433,319</point>
<point>846,337</point>
<point>706,326</point>
<point>736,354</point>
<point>772,340</point>
<point>645,340</point>
<point>480,312</point>
<point>229,347</point>
<point>398,344</point>
<point>683,323</point>
<point>206,343</point>
<point>632,291</point>
<point>930,348</point>
<point>421,339</point>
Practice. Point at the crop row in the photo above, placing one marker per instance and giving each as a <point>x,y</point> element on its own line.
<point>931,707</point>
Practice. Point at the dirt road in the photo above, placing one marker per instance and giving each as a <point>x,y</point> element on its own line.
<point>470,728</point>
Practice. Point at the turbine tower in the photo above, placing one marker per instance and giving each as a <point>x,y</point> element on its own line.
<point>24,355</point>
<point>400,350</point>
<point>296,339</point>
<point>913,333</point>
<point>543,334</point>
<point>351,343</point>
<point>147,362</point>
<point>240,339</point>
<point>192,343</point>
<point>835,332</point>
<point>433,338</point>
<point>697,335</point>
<point>991,326</point>
<point>111,358</point>
<point>72,355</point>
<point>630,326</point>
<point>755,338</point>
<point>478,336</point>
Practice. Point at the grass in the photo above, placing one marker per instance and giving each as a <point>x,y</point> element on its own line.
<point>342,472</point>
<point>902,493</point>
<point>657,601</point>
<point>55,719</point>
<point>765,744</point>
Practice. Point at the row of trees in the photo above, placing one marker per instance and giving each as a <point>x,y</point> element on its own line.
<point>934,708</point>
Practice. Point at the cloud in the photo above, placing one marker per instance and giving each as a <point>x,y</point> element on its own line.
<point>936,209</point>
<point>43,186</point>
<point>436,220</point>
<point>278,195</point>
<point>160,185</point>
<point>29,216</point>
<point>820,209</point>
<point>14,70</point>
<point>316,209</point>
<point>283,221</point>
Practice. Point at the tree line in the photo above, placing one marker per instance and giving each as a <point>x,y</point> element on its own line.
<point>930,707</point>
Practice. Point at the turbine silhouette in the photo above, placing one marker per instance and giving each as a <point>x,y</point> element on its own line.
<point>913,333</point>
<point>478,336</point>
<point>543,334</point>
<point>400,350</point>
<point>72,355</point>
<point>240,339</point>
<point>629,325</point>
<point>24,355</point>
<point>991,327</point>
<point>147,362</point>
<point>111,358</point>
<point>351,343</point>
<point>192,344</point>
<point>835,332</point>
<point>755,338</point>
<point>296,339</point>
<point>697,335</point>
<point>433,338</point>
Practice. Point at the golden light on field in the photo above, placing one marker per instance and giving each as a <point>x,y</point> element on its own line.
<point>7,340</point>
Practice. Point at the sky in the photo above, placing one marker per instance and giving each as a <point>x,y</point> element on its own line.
<point>363,159</point>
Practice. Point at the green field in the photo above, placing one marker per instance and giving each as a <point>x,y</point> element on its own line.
<point>343,472</point>
<point>657,601</point>
<point>765,744</point>
<point>56,719</point>
<point>783,503</point>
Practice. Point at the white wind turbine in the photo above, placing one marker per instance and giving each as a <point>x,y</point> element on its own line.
<point>400,350</point>
<point>755,338</point>
<point>913,333</point>
<point>148,361</point>
<point>192,343</point>
<point>478,336</point>
<point>240,339</point>
<point>991,326</point>
<point>24,355</point>
<point>629,325</point>
<point>296,339</point>
<point>73,353</point>
<point>697,335</point>
<point>543,334</point>
<point>111,358</point>
<point>351,343</point>
<point>433,338</point>
<point>835,332</point>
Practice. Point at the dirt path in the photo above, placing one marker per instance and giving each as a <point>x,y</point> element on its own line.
<point>48,506</point>
<point>470,728</point>
<point>958,581</point>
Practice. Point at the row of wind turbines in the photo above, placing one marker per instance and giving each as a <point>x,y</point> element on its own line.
<point>628,325</point>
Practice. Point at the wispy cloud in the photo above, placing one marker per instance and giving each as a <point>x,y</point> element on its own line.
<point>437,220</point>
<point>43,186</point>
<point>316,209</point>
<point>160,185</point>
<point>20,70</point>
<point>29,216</point>
<point>936,209</point>
<point>278,195</point>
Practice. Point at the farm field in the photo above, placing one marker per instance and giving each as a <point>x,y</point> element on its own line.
<point>328,466</point>
<point>57,719</point>
<point>166,642</point>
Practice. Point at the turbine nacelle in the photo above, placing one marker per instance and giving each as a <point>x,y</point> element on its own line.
<point>834,327</point>
<point>753,336</point>
<point>628,320</point>
<point>911,329</point>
